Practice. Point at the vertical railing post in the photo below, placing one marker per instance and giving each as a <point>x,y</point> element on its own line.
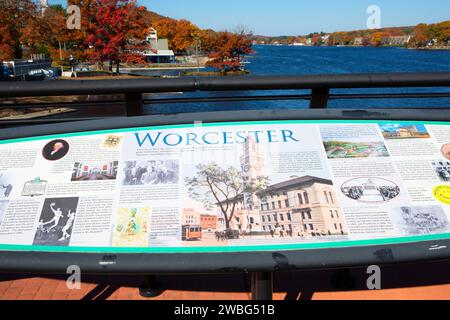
<point>262,286</point>
<point>319,99</point>
<point>135,106</point>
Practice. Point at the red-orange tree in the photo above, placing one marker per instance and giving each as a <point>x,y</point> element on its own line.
<point>116,33</point>
<point>231,47</point>
<point>15,15</point>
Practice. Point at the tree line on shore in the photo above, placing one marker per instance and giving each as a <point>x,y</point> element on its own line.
<point>112,32</point>
<point>421,36</point>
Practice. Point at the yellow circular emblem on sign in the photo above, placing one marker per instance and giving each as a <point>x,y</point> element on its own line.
<point>442,193</point>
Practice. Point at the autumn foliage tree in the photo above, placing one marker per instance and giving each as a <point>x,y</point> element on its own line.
<point>15,15</point>
<point>420,35</point>
<point>230,49</point>
<point>181,33</point>
<point>377,38</point>
<point>116,33</point>
<point>209,40</point>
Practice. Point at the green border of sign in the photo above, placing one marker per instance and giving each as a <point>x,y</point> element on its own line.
<point>225,249</point>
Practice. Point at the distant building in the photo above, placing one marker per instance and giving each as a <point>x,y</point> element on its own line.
<point>159,49</point>
<point>397,40</point>
<point>44,6</point>
<point>359,41</point>
<point>325,39</point>
<point>309,41</point>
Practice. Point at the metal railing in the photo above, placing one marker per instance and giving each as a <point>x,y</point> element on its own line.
<point>133,90</point>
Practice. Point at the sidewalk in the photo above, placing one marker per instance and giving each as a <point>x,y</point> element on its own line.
<point>418,281</point>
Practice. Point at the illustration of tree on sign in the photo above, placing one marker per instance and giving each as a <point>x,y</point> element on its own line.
<point>215,186</point>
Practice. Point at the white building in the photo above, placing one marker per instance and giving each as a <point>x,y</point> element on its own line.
<point>325,39</point>
<point>44,6</point>
<point>159,49</point>
<point>397,40</point>
<point>359,41</point>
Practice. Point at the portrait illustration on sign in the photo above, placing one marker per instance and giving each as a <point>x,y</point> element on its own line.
<point>55,150</point>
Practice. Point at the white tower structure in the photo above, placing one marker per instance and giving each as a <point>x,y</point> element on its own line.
<point>152,34</point>
<point>252,164</point>
<point>44,6</point>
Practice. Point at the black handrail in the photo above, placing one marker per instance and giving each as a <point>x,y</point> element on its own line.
<point>191,84</point>
<point>321,86</point>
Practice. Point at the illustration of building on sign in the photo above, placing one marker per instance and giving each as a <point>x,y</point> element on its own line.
<point>300,206</point>
<point>304,206</point>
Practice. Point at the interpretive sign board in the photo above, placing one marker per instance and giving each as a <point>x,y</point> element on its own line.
<point>227,187</point>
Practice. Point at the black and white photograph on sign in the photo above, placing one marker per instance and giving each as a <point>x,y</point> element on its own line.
<point>95,171</point>
<point>56,222</point>
<point>153,172</point>
<point>442,169</point>
<point>6,185</point>
<point>55,150</point>
<point>370,189</point>
<point>3,206</point>
<point>421,220</point>
<point>446,151</point>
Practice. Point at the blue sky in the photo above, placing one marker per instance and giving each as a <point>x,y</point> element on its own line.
<point>297,17</point>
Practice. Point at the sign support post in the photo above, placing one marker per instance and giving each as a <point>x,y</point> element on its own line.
<point>262,286</point>
<point>151,288</point>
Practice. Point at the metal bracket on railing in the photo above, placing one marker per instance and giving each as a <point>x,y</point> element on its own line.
<point>319,98</point>
<point>135,107</point>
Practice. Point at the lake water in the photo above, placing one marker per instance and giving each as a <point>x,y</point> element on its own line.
<point>288,60</point>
